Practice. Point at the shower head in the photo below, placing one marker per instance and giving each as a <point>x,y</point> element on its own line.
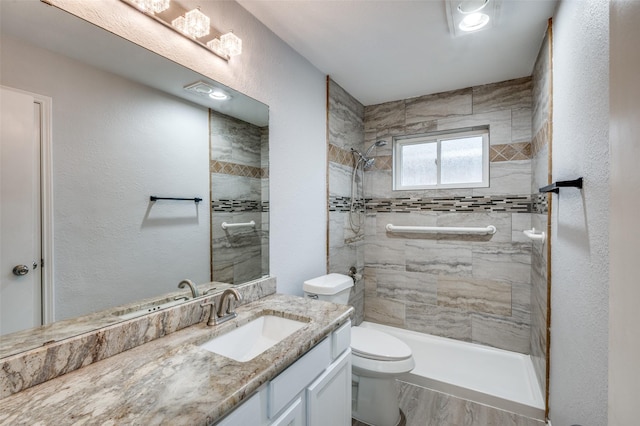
<point>369,162</point>
<point>374,145</point>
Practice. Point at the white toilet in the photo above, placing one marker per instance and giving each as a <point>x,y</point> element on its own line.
<point>377,358</point>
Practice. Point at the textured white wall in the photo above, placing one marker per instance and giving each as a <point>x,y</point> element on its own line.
<point>271,72</point>
<point>579,242</point>
<point>624,291</point>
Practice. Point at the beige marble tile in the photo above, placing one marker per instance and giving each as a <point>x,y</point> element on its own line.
<point>438,321</point>
<point>407,286</point>
<point>356,300</point>
<point>509,94</point>
<point>519,223</point>
<point>370,282</point>
<point>500,333</point>
<point>421,127</point>
<point>499,123</point>
<point>385,115</point>
<point>378,184</point>
<point>437,106</point>
<point>384,311</point>
<point>508,178</point>
<point>504,262</point>
<point>426,407</point>
<point>521,125</point>
<point>474,295</point>
<point>521,302</point>
<point>387,255</point>
<point>342,258</point>
<point>443,259</point>
<point>541,82</point>
<point>346,118</point>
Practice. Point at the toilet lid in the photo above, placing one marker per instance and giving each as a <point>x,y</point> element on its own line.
<point>374,344</point>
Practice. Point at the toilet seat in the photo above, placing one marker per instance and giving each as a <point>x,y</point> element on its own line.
<point>376,345</point>
<point>377,354</point>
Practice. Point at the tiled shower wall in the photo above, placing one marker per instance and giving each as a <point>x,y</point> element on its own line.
<point>542,126</point>
<point>346,131</point>
<point>239,183</point>
<point>471,288</point>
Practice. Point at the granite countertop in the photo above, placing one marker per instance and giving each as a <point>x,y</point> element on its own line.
<point>35,337</point>
<point>171,380</point>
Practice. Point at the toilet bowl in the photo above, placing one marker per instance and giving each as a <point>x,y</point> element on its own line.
<point>376,357</point>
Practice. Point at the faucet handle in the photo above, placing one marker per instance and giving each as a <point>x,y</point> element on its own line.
<point>212,312</point>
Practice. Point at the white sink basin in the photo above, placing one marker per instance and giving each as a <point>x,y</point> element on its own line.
<point>250,340</point>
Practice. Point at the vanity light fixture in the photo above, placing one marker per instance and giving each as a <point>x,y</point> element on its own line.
<point>193,24</point>
<point>469,16</point>
<point>152,6</point>
<point>228,44</point>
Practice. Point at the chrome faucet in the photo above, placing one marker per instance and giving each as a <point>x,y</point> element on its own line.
<point>194,289</point>
<point>221,313</point>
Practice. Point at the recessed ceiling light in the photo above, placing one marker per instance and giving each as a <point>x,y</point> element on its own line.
<point>466,17</point>
<point>219,95</point>
<point>205,89</point>
<point>474,22</point>
<point>471,6</point>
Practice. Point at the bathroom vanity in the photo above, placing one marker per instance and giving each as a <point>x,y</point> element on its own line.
<point>173,380</point>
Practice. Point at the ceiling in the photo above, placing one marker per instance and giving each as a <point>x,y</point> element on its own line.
<point>53,29</point>
<point>384,50</point>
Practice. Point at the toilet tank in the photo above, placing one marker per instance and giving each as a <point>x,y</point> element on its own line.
<point>332,288</point>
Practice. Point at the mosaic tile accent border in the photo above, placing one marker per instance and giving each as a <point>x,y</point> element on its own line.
<point>340,156</point>
<point>507,204</point>
<point>235,169</point>
<point>540,203</point>
<point>510,152</point>
<point>383,162</point>
<point>232,206</point>
<point>343,204</point>
<point>481,204</point>
<point>497,153</point>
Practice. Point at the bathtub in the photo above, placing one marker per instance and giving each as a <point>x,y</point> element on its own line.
<point>490,376</point>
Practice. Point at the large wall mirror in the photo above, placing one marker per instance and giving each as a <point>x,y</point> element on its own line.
<point>124,129</point>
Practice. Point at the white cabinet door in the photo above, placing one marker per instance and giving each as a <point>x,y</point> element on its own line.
<point>329,397</point>
<point>293,416</point>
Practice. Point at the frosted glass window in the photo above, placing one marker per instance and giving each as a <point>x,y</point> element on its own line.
<point>461,160</point>
<point>420,164</point>
<point>458,159</point>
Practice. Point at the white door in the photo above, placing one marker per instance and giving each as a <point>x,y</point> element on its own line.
<point>20,222</point>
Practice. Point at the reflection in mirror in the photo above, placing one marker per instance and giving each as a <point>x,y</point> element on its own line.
<point>124,130</point>
<point>239,173</point>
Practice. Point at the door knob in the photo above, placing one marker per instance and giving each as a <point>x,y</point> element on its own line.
<point>21,270</point>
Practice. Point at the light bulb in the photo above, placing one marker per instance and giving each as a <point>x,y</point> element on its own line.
<point>474,21</point>
<point>231,43</point>
<point>197,24</point>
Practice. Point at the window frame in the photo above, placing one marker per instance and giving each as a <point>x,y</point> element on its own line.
<point>437,137</point>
